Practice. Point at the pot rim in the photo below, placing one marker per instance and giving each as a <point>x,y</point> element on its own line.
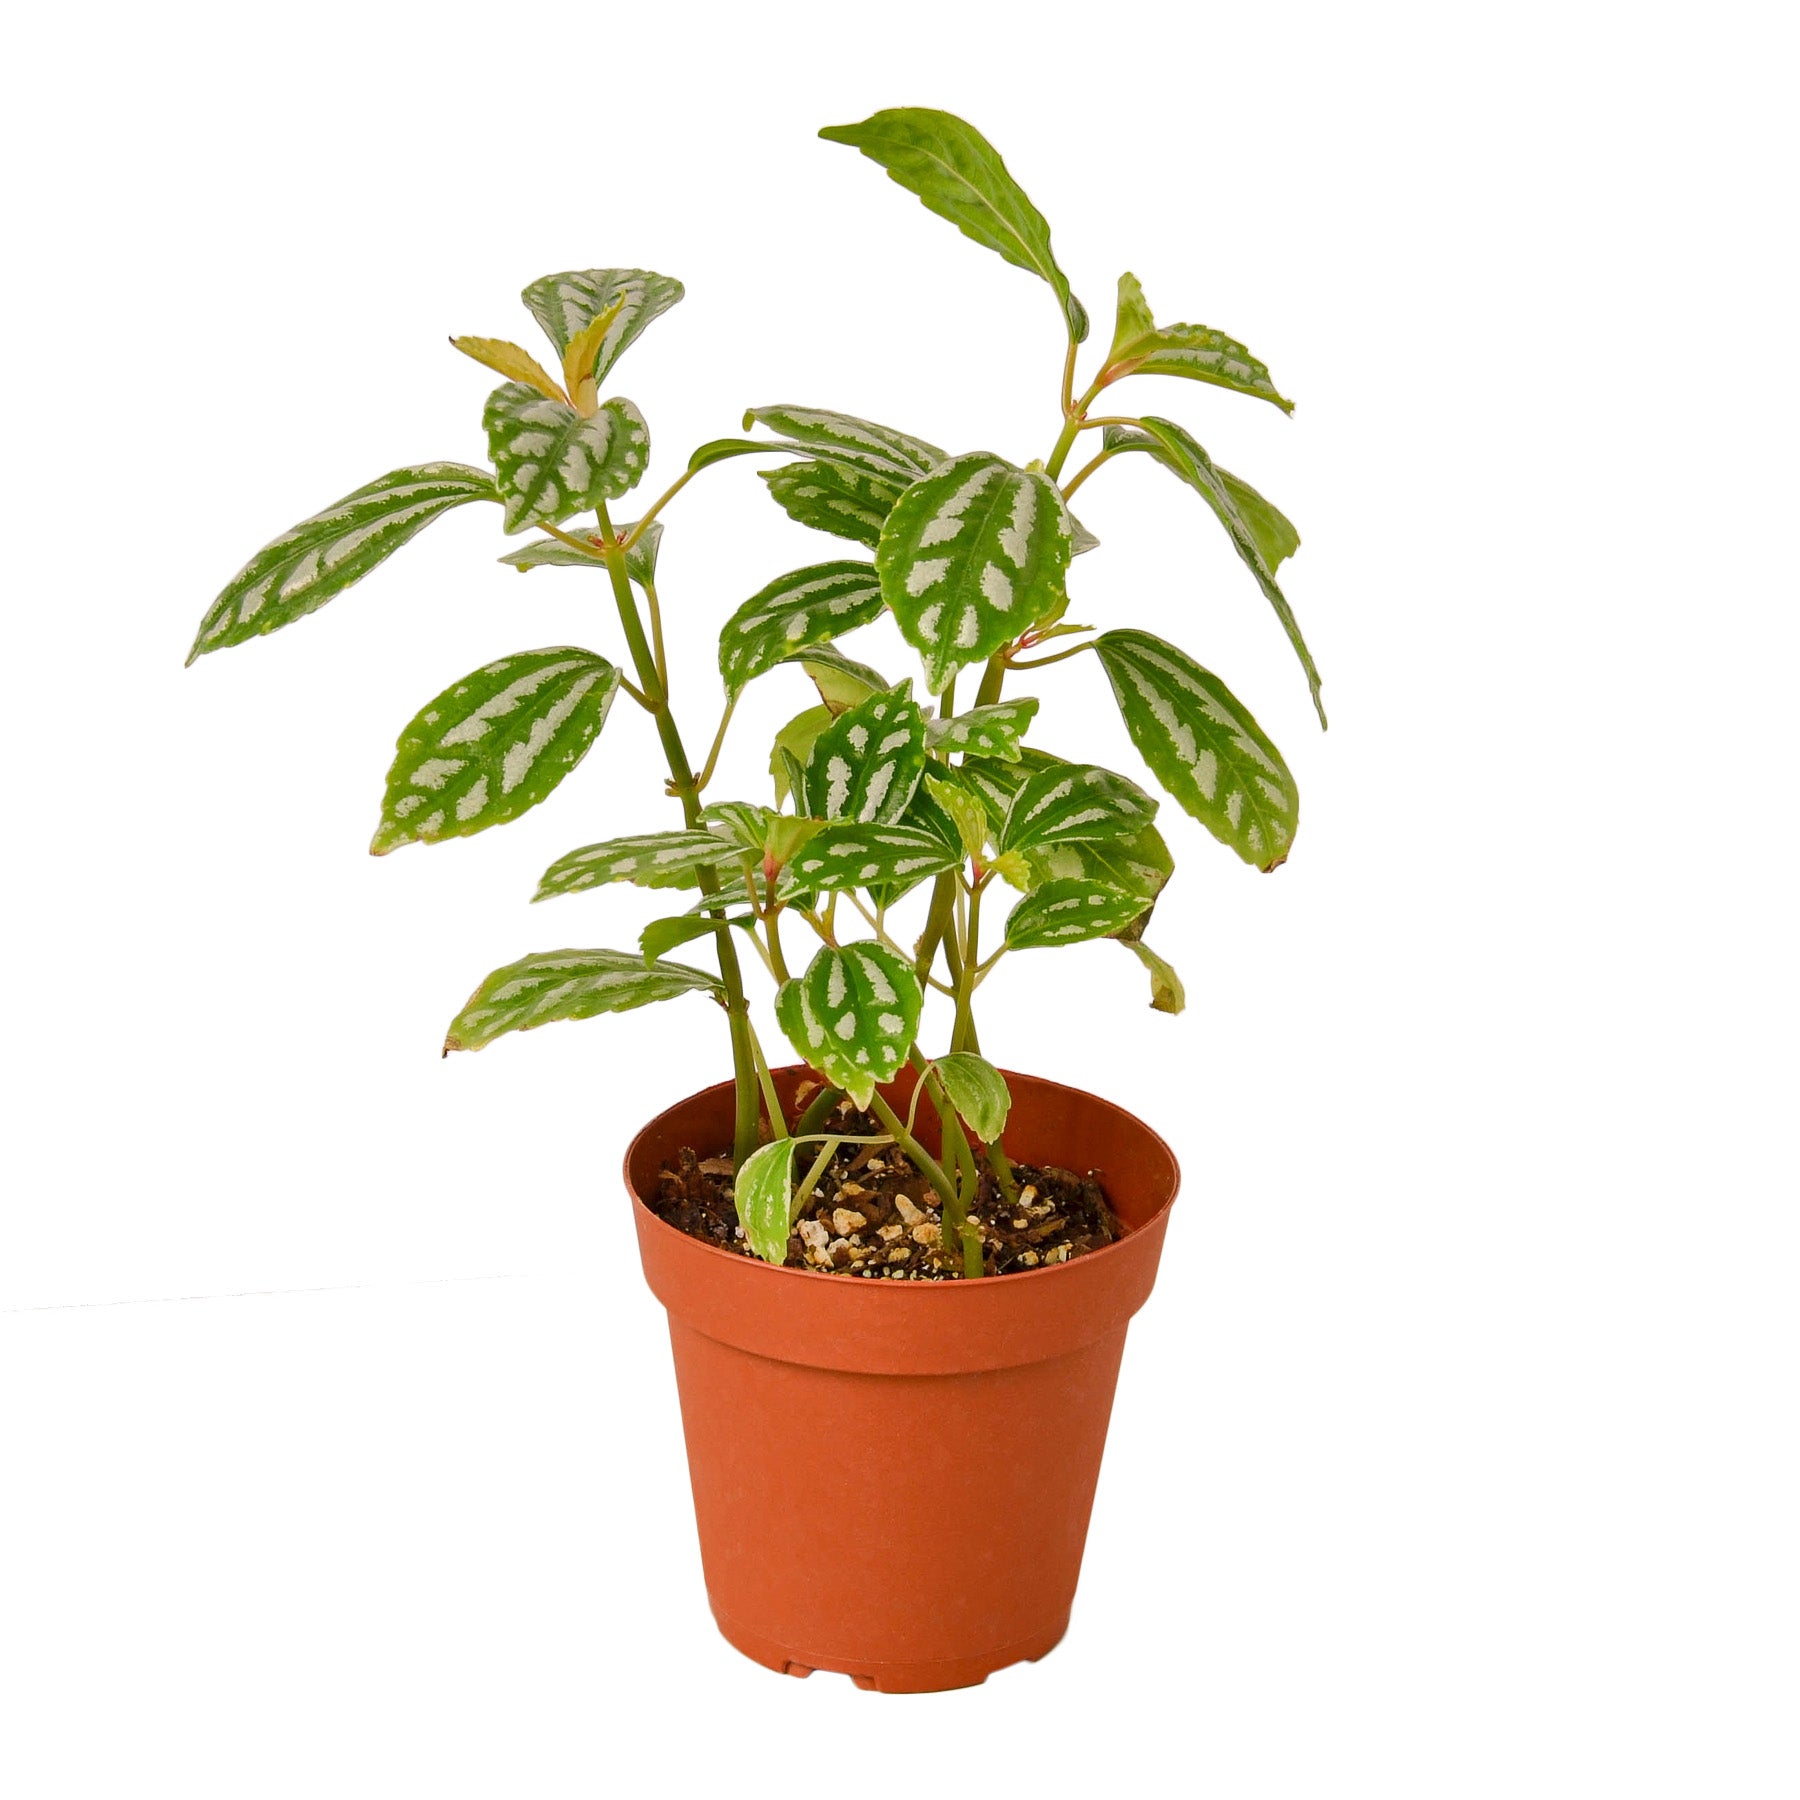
<point>916,1288</point>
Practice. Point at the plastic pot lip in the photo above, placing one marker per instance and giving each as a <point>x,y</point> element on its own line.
<point>755,1267</point>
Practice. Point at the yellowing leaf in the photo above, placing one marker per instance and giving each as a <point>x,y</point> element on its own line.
<point>512,362</point>
<point>581,355</point>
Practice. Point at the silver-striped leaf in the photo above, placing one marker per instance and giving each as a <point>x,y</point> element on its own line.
<point>853,1016</point>
<point>763,1193</point>
<point>841,680</point>
<point>552,553</point>
<point>651,859</point>
<point>845,438</point>
<point>865,764</point>
<point>1276,536</point>
<point>867,856</point>
<point>838,497</point>
<point>323,555</point>
<point>566,304</point>
<point>978,1091</point>
<point>1069,912</point>
<point>1203,745</point>
<point>807,606</point>
<point>494,744</point>
<point>567,984</point>
<point>552,461</point>
<point>984,730</point>
<point>960,177</point>
<point>1142,347</point>
<point>1072,803</point>
<point>971,556</point>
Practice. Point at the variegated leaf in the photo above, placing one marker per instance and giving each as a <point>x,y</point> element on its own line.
<point>1141,347</point>
<point>984,730</point>
<point>1203,745</point>
<point>978,1091</point>
<point>745,824</point>
<point>1275,535</point>
<point>841,680</point>
<point>566,304</point>
<point>867,856</point>
<point>494,744</point>
<point>652,859</point>
<point>1073,803</point>
<point>763,1193</point>
<point>1069,912</point>
<point>509,360</point>
<point>965,813</point>
<point>808,606</point>
<point>1167,995</point>
<point>1139,864</point>
<point>552,553</point>
<point>552,462</point>
<point>960,177</point>
<point>1184,456</point>
<point>972,555</point>
<point>853,1015</point>
<point>838,497</point>
<point>866,763</point>
<point>844,438</point>
<point>567,984</point>
<point>323,555</point>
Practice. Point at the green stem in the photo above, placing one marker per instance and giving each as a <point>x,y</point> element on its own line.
<point>1003,1173</point>
<point>772,1100</point>
<point>922,1159</point>
<point>803,1192</point>
<point>1043,662</point>
<point>818,1110</point>
<point>957,1225</point>
<point>962,1033</point>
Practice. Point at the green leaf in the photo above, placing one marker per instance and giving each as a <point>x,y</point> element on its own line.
<point>1141,347</point>
<point>847,439</point>
<point>1275,535</point>
<point>984,730</point>
<point>866,763</point>
<point>552,553</point>
<point>808,606</point>
<point>763,1192</point>
<point>860,856</point>
<point>652,859</point>
<point>566,304</point>
<point>972,555</point>
<point>853,1015</point>
<point>842,681</point>
<point>793,745</point>
<point>661,936</point>
<point>325,554</point>
<point>960,177</point>
<point>1203,746</point>
<point>1069,912</point>
<point>1139,864</point>
<point>716,450</point>
<point>1185,458</point>
<point>1167,995</point>
<point>494,744</point>
<point>551,461</point>
<point>837,497</point>
<point>964,811</point>
<point>567,984</point>
<point>978,1091</point>
<point>743,822</point>
<point>1073,803</point>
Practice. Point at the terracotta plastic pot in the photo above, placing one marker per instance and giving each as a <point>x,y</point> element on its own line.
<point>957,1425</point>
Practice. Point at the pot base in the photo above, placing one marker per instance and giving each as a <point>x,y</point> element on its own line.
<point>894,1677</point>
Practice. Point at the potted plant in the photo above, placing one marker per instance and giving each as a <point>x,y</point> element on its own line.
<point>898,1281</point>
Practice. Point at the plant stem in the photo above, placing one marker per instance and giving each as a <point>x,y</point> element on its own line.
<point>712,756</point>
<point>656,644</point>
<point>956,1222</point>
<point>1086,470</point>
<point>991,678</point>
<point>1043,662</point>
<point>803,1192</point>
<point>922,1159</point>
<point>772,1100</point>
<point>962,1033</point>
<point>772,926</point>
<point>1003,1172</point>
<point>818,1109</point>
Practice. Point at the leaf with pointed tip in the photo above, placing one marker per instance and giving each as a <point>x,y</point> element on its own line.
<point>972,555</point>
<point>978,1091</point>
<point>845,438</point>
<point>494,744</point>
<point>651,859</point>
<point>323,555</point>
<point>793,745</point>
<point>853,1015</point>
<point>1141,347</point>
<point>1073,803</point>
<point>1069,912</point>
<point>567,984</point>
<point>984,730</point>
<point>508,359</point>
<point>763,1193</point>
<point>552,462</point>
<point>968,818</point>
<point>743,822</point>
<point>866,763</point>
<point>1167,995</point>
<point>717,450</point>
<point>1185,458</point>
<point>842,681</point>
<point>552,553</point>
<point>661,936</point>
<point>1203,745</point>
<point>568,303</point>
<point>1276,538</point>
<point>960,177</point>
<point>838,497</point>
<point>807,606</point>
<point>869,856</point>
<point>581,355</point>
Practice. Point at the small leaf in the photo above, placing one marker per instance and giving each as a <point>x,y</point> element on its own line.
<point>1275,535</point>
<point>960,177</point>
<point>853,1015</point>
<point>865,764</point>
<point>1203,745</point>
<point>1069,912</point>
<point>860,856</point>
<point>512,362</point>
<point>971,556</point>
<point>964,812</point>
<point>552,462</point>
<point>842,681</point>
<point>566,304</point>
<point>808,606</point>
<point>717,450</point>
<point>661,936</point>
<point>763,1193</point>
<point>1072,803</point>
<point>567,984</point>
<point>1141,347</point>
<point>652,859</point>
<point>984,730</point>
<point>837,497</point>
<point>744,823</point>
<point>793,745</point>
<point>1167,995</point>
<point>494,744</point>
<point>978,1091</point>
<point>858,442</point>
<point>552,553</point>
<point>323,555</point>
<point>582,353</point>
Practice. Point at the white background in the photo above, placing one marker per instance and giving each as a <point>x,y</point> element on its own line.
<point>1455,1453</point>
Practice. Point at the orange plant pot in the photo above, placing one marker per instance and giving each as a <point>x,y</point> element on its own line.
<point>958,1423</point>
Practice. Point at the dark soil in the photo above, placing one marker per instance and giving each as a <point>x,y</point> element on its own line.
<point>874,1215</point>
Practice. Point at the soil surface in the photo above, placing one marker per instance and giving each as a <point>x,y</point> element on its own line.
<point>874,1215</point>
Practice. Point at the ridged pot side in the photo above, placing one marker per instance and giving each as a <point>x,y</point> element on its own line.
<point>952,1430</point>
